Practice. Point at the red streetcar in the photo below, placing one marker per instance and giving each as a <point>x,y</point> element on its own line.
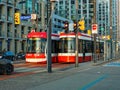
<point>36,47</point>
<point>67,46</point>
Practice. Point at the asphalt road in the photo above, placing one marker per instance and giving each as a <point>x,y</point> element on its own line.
<point>84,77</point>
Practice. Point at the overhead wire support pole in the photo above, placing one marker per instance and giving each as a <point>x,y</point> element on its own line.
<point>95,35</point>
<point>111,27</point>
<point>76,51</point>
<point>33,10</point>
<point>49,60</point>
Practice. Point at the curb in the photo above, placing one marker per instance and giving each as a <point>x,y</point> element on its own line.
<point>106,61</point>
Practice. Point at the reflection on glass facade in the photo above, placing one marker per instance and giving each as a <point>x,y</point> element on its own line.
<point>29,6</point>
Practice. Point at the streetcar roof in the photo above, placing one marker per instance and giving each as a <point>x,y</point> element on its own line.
<point>40,35</point>
<point>73,35</point>
<point>37,35</point>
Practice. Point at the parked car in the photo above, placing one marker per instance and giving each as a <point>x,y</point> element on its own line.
<point>6,66</point>
<point>8,55</point>
<point>20,56</point>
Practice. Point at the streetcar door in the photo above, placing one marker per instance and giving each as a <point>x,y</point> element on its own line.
<point>83,50</point>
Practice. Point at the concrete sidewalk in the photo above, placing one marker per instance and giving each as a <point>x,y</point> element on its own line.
<point>86,65</point>
<point>62,67</point>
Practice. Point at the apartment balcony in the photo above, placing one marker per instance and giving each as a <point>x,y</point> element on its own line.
<point>10,3</point>
<point>24,23</point>
<point>2,18</point>
<point>91,9</point>
<point>17,7</point>
<point>2,34</point>
<point>2,2</point>
<point>17,35</point>
<point>24,36</point>
<point>10,19</point>
<point>9,34</point>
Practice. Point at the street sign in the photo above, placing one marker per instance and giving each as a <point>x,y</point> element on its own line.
<point>25,17</point>
<point>94,28</point>
<point>71,26</point>
<point>33,16</point>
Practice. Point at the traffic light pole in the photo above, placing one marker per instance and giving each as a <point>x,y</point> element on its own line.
<point>111,54</point>
<point>95,35</point>
<point>76,39</point>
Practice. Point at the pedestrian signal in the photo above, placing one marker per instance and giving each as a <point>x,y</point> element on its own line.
<point>17,18</point>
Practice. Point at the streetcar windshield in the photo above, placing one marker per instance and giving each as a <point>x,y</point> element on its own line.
<point>67,45</point>
<point>36,45</point>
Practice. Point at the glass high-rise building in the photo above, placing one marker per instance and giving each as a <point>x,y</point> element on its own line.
<point>67,9</point>
<point>13,36</point>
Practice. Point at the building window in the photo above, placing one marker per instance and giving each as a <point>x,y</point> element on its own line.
<point>73,2</point>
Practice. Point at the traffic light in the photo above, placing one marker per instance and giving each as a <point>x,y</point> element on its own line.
<point>66,26</point>
<point>81,24</point>
<point>75,26</point>
<point>17,18</point>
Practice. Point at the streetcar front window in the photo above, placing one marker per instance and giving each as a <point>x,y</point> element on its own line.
<point>67,45</point>
<point>36,45</point>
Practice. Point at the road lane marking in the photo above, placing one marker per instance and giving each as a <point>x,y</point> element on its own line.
<point>113,64</point>
<point>84,69</point>
<point>94,82</point>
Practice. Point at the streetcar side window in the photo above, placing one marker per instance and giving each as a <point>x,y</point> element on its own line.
<point>80,46</point>
<point>54,46</point>
<point>88,46</point>
<point>42,44</point>
<point>71,46</point>
<point>67,45</point>
<point>101,47</point>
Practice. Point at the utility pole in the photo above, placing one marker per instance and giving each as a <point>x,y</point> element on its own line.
<point>49,61</point>
<point>105,48</point>
<point>118,32</point>
<point>33,12</point>
<point>95,35</point>
<point>111,27</point>
<point>76,51</point>
<point>43,15</point>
